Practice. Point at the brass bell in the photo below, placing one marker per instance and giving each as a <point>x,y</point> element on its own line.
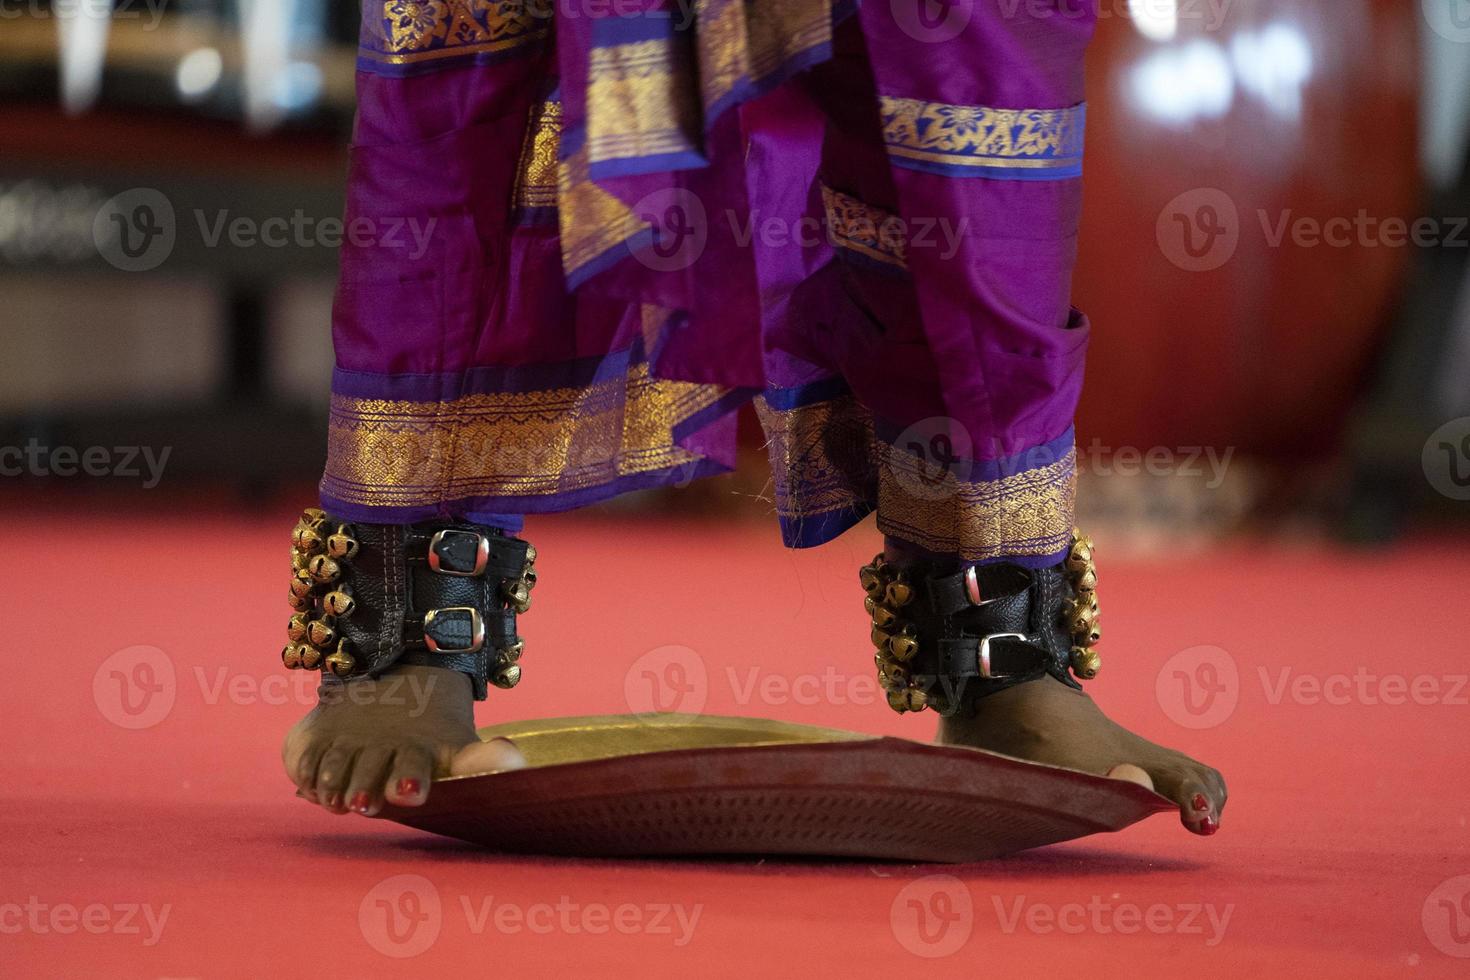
<point>342,544</point>
<point>883,616</point>
<point>530,577</point>
<point>293,654</point>
<point>296,628</point>
<point>306,540</point>
<point>880,638</point>
<point>512,653</point>
<point>341,662</point>
<point>903,647</point>
<point>339,603</point>
<point>871,581</point>
<point>507,677</point>
<point>311,657</point>
<point>907,699</point>
<point>900,594</point>
<point>530,554</point>
<point>1079,559</point>
<point>313,517</point>
<point>1086,663</point>
<point>1087,581</point>
<point>324,570</point>
<point>517,595</point>
<point>1081,615</point>
<point>893,675</point>
<point>300,603</point>
<point>302,584</point>
<point>321,632</point>
<point>298,560</point>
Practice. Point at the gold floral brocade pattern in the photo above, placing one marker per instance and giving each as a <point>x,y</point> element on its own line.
<point>965,136</point>
<point>1027,512</point>
<point>536,177</point>
<point>827,461</point>
<point>865,229</point>
<point>407,32</point>
<point>391,453</point>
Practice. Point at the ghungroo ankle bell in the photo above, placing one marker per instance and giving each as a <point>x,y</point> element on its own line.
<point>370,597</point>
<point>944,641</point>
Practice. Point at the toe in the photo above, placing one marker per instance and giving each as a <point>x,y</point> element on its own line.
<point>369,770</point>
<point>1199,801</point>
<point>1132,774</point>
<point>409,776</point>
<point>308,761</point>
<point>334,775</point>
<point>495,755</point>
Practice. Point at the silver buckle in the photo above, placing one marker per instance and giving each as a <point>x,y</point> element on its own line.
<point>482,553</point>
<point>985,649</point>
<point>477,630</point>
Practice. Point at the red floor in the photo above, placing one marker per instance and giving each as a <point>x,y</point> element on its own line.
<point>1344,849</point>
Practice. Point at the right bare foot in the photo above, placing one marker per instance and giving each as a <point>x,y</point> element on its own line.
<point>386,739</point>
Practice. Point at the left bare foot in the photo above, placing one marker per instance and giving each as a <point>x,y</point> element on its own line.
<point>1046,721</point>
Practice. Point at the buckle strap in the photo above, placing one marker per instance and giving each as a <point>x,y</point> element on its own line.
<point>943,641</point>
<point>368,597</point>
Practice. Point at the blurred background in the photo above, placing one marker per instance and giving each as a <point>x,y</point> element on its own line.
<point>1274,252</point>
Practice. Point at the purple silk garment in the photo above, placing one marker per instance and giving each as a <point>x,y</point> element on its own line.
<point>639,217</point>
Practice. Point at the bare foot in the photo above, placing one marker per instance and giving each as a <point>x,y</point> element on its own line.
<point>1047,721</point>
<point>371,741</point>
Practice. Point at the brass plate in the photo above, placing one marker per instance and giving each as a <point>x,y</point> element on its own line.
<point>665,785</point>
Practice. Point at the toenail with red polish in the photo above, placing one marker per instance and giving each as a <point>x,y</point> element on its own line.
<point>408,787</point>
<point>1200,803</point>
<point>1206,827</point>
<point>360,803</point>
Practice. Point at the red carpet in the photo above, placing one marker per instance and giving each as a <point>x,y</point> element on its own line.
<point>1339,716</point>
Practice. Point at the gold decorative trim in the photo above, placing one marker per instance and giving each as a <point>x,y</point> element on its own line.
<point>1026,513</point>
<point>593,222</point>
<point>981,136</point>
<point>640,101</point>
<point>865,229</point>
<point>742,40</point>
<point>822,457</point>
<point>536,177</point>
<point>412,31</point>
<point>390,453</point>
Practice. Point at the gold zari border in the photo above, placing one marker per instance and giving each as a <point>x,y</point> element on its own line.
<point>865,229</point>
<point>411,31</point>
<point>536,178</point>
<point>980,136</point>
<point>390,453</point>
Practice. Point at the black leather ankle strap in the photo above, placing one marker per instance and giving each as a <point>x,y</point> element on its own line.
<point>371,596</point>
<point>946,641</point>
